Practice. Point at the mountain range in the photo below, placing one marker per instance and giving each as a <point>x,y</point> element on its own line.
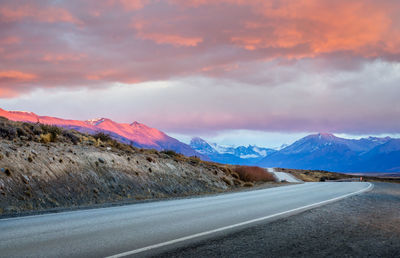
<point>136,134</point>
<point>321,151</point>
<point>327,152</point>
<point>240,155</point>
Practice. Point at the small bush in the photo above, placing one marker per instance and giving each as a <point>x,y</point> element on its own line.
<point>253,174</point>
<point>7,132</point>
<point>102,137</point>
<point>149,159</point>
<point>54,131</point>
<point>248,184</point>
<point>45,138</point>
<point>237,181</point>
<point>7,172</point>
<point>194,160</point>
<point>235,175</point>
<point>227,181</point>
<point>170,153</point>
<point>71,136</point>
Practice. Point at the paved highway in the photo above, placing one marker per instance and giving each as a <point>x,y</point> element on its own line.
<point>282,176</point>
<point>142,229</point>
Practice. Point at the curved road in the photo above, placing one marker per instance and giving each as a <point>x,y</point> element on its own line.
<point>141,229</point>
<point>282,176</point>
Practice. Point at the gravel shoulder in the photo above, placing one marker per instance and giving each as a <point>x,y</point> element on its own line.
<point>366,225</point>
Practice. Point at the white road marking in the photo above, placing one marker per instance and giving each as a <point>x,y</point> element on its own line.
<point>174,241</point>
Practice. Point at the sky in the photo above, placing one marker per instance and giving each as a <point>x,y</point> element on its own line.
<point>232,71</point>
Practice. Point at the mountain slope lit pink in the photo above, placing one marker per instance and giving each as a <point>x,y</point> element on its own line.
<point>135,133</point>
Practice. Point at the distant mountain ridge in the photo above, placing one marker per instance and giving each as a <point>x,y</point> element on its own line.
<point>136,134</point>
<point>328,152</point>
<point>323,151</point>
<point>240,155</point>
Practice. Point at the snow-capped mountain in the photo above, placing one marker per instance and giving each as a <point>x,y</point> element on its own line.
<point>327,152</point>
<point>229,154</point>
<point>136,134</point>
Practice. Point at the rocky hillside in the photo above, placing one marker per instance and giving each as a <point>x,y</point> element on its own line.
<point>44,167</point>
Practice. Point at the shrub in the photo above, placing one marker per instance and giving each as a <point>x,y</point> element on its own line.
<point>194,160</point>
<point>237,181</point>
<point>7,132</point>
<point>235,175</point>
<point>226,180</point>
<point>254,174</point>
<point>149,159</point>
<point>54,131</point>
<point>102,137</point>
<point>170,153</point>
<point>45,138</point>
<point>248,184</point>
<point>71,136</point>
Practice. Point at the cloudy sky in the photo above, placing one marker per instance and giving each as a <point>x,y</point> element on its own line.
<point>233,71</point>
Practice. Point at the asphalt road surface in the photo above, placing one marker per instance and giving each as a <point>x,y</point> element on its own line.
<point>282,176</point>
<point>364,225</point>
<point>147,228</point>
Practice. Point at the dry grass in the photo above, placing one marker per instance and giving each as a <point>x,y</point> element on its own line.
<point>253,174</point>
<point>45,138</point>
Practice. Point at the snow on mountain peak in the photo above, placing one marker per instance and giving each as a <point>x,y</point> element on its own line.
<point>96,121</point>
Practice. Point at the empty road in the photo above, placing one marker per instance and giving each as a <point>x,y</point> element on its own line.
<point>146,228</point>
<point>282,176</point>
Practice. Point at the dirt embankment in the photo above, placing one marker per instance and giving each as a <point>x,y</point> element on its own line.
<point>43,167</point>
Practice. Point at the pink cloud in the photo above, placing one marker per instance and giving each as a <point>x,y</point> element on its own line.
<point>48,14</point>
<point>16,76</point>
<point>57,58</point>
<point>10,40</point>
<point>129,5</point>
<point>73,44</point>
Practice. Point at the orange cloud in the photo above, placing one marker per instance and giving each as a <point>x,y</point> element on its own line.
<point>145,31</point>
<point>57,58</point>
<point>175,40</point>
<point>130,5</point>
<point>12,75</point>
<point>48,14</point>
<point>112,75</point>
<point>325,26</point>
